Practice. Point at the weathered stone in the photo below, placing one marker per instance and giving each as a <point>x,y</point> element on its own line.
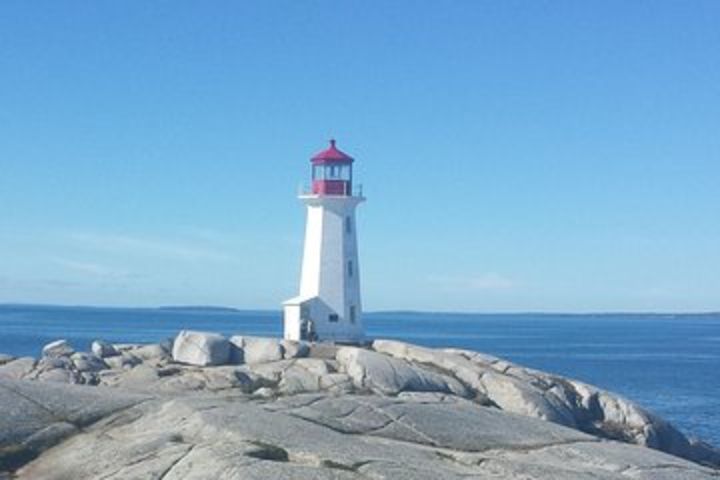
<point>5,358</point>
<point>225,378</point>
<point>89,378</point>
<point>151,352</point>
<point>550,397</point>
<point>127,347</point>
<point>103,349</point>
<point>264,392</point>
<point>391,376</point>
<point>18,368</point>
<point>59,375</point>
<point>322,350</point>
<point>518,397</point>
<point>58,348</point>
<point>303,439</point>
<point>293,349</point>
<point>38,414</point>
<point>303,375</point>
<point>50,363</point>
<point>121,361</point>
<point>336,382</point>
<point>87,362</point>
<point>199,348</point>
<point>298,418</point>
<point>258,349</point>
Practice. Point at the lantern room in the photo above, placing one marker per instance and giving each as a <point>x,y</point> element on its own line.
<point>332,172</point>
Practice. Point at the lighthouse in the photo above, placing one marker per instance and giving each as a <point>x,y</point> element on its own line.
<point>328,306</point>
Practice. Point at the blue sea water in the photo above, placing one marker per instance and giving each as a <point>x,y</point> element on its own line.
<point>668,363</point>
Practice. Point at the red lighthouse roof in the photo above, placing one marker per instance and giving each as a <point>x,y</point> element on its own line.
<point>332,155</point>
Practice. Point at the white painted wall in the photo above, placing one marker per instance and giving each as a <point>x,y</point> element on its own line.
<point>325,278</point>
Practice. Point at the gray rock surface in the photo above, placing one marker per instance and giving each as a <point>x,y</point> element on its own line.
<point>557,399</point>
<point>257,349</point>
<point>18,368</point>
<point>396,411</point>
<point>36,415</point>
<point>103,349</point>
<point>391,376</point>
<point>314,436</point>
<point>58,348</point>
<point>87,362</point>
<point>293,349</point>
<point>201,348</point>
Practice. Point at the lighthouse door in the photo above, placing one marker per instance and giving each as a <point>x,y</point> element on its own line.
<point>305,322</point>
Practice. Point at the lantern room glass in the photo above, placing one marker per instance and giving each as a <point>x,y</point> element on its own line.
<point>332,172</point>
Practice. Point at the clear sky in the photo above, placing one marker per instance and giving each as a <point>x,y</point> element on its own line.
<point>516,156</point>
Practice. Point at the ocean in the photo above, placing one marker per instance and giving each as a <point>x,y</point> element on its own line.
<point>670,364</point>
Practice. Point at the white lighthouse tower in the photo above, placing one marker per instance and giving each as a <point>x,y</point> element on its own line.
<point>328,306</point>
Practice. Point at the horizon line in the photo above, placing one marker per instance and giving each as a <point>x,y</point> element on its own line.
<point>371,312</point>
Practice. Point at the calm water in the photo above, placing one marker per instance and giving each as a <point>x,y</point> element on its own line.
<point>668,363</point>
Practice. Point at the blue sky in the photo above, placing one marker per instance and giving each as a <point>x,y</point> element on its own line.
<point>552,156</point>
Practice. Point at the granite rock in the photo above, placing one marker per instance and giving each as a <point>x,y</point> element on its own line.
<point>396,411</point>
<point>200,348</point>
<point>391,376</point>
<point>87,362</point>
<point>103,349</point>
<point>58,348</point>
<point>293,349</point>
<point>353,437</point>
<point>257,349</point>
<point>17,368</point>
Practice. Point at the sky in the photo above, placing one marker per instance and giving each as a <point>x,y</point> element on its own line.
<point>516,156</point>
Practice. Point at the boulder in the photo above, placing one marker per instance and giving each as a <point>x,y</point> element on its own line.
<point>18,368</point>
<point>515,396</point>
<point>322,350</point>
<point>257,349</point>
<point>87,362</point>
<point>58,348</point>
<point>124,360</point>
<point>336,383</point>
<point>152,351</point>
<point>200,348</point>
<point>303,375</point>
<point>103,349</point>
<point>391,376</point>
<point>294,349</point>
<point>50,363</point>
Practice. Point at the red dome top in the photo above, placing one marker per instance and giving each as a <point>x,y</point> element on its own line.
<point>332,155</point>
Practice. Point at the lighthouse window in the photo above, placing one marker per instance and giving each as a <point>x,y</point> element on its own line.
<point>352,314</point>
<point>333,317</point>
<point>348,225</point>
<point>350,268</point>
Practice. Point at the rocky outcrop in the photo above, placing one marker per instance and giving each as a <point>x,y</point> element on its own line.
<point>38,415</point>
<point>200,348</point>
<point>556,399</point>
<point>58,348</point>
<point>103,349</point>
<point>391,411</point>
<point>390,376</point>
<point>256,350</point>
